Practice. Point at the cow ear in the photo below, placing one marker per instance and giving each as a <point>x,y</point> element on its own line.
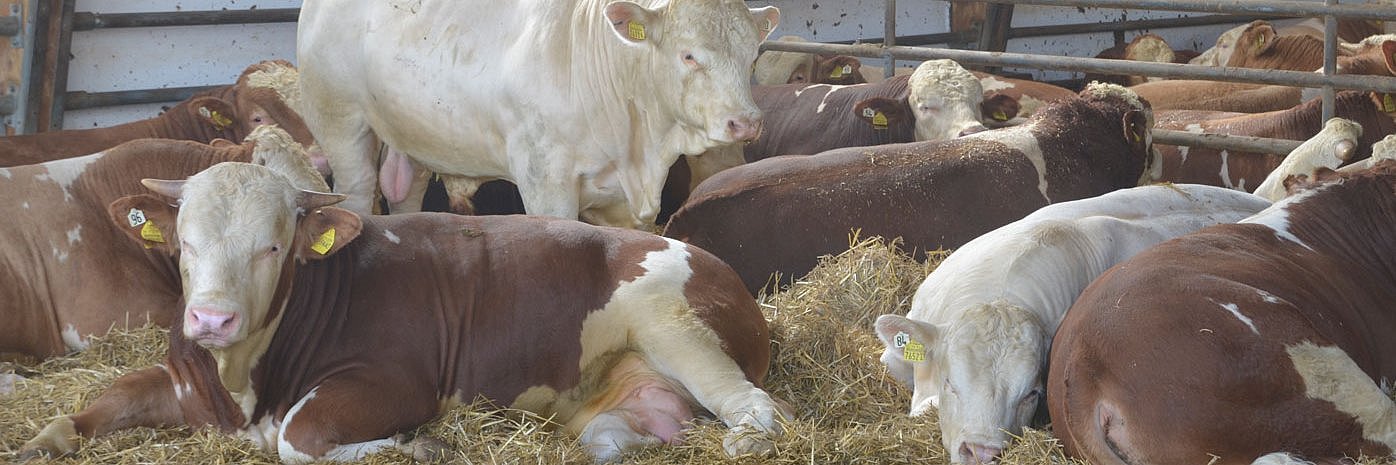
<point>767,18</point>
<point>999,108</point>
<point>213,111</point>
<point>632,23</point>
<point>326,230</point>
<point>907,340</point>
<point>882,112</point>
<point>1263,37</point>
<point>1388,54</point>
<point>1136,127</point>
<point>840,69</point>
<point>148,220</point>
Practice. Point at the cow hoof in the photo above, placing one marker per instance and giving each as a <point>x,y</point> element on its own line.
<point>744,440</point>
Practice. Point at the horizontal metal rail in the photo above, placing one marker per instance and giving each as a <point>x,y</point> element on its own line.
<point>1225,142</point>
<point>1097,65</point>
<point>1254,7</point>
<point>86,21</point>
<point>1069,29</point>
<point>81,100</point>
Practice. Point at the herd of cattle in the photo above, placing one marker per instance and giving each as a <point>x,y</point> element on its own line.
<point>1161,324</point>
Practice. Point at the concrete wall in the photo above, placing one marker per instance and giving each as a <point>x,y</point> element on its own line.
<point>126,59</point>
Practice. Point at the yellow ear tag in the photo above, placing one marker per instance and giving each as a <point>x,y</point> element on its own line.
<point>151,233</point>
<point>836,73</point>
<point>324,243</point>
<point>879,120</point>
<point>1000,116</point>
<point>914,352</point>
<point>637,31</point>
<point>1387,104</point>
<point>220,122</point>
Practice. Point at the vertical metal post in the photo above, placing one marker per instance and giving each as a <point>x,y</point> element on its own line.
<point>1330,60</point>
<point>48,73</point>
<point>889,36</point>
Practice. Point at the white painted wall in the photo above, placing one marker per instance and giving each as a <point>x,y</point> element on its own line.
<point>127,59</point>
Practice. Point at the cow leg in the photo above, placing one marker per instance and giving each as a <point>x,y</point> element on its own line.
<point>699,365</point>
<point>144,398</point>
<point>341,420</point>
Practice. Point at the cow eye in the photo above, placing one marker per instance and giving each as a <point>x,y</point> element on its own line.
<point>689,60</point>
<point>257,119</point>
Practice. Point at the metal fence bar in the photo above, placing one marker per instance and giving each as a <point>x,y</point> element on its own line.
<point>889,35</point>
<point>1099,65</point>
<point>86,21</point>
<point>80,100</point>
<point>1257,7</point>
<point>1225,142</point>
<point>1330,60</point>
<point>1132,25</point>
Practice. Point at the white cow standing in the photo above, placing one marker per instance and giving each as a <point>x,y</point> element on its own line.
<point>583,104</point>
<point>975,342</point>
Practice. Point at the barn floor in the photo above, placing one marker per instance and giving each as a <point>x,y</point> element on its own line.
<point>848,409</point>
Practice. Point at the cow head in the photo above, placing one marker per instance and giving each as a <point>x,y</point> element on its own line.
<point>1141,162</point>
<point>999,109</point>
<point>1374,56</point>
<point>697,56</point>
<point>945,99</point>
<point>982,373</point>
<point>839,70</point>
<point>775,67</point>
<point>239,230</point>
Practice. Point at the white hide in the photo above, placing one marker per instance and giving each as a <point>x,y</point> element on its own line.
<point>1384,149</point>
<point>1332,146</point>
<point>774,67</point>
<point>987,313</point>
<point>1220,53</point>
<point>547,94</point>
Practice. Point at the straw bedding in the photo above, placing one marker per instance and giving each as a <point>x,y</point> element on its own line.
<point>848,410</point>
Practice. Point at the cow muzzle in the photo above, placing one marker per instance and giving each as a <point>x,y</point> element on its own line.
<point>211,327</point>
<point>979,454</point>
<point>744,129</point>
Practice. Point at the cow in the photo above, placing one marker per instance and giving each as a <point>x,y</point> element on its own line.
<point>63,270</point>
<point>780,214</point>
<point>775,67</point>
<point>1243,170</point>
<point>1259,46</point>
<point>974,346</point>
<point>297,315</point>
<point>1192,94</point>
<point>623,90</point>
<point>1265,339</point>
<point>1384,149</point>
<point>228,112</point>
<point>1031,95</point>
<point>1144,47</point>
<point>1329,149</point>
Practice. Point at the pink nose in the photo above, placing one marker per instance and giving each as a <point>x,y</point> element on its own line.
<point>979,454</point>
<point>321,162</point>
<point>203,322</point>
<point>744,129</point>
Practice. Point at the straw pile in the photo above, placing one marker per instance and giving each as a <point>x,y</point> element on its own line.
<point>848,410</point>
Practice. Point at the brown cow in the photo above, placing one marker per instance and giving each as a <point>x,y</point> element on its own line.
<point>299,318</point>
<point>780,214</point>
<point>229,112</point>
<point>1189,94</point>
<point>1241,340</point>
<point>1144,47</point>
<point>65,268</point>
<point>1244,170</point>
<point>1259,46</point>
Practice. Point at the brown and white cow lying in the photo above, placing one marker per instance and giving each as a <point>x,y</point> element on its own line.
<point>65,263</point>
<point>780,214</point>
<point>300,317</point>
<point>1239,341</point>
<point>1243,170</point>
<point>229,112</point>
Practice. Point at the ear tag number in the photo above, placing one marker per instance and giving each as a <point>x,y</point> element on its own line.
<point>637,31</point>
<point>900,339</point>
<point>324,243</point>
<point>914,352</point>
<point>151,233</point>
<point>136,217</point>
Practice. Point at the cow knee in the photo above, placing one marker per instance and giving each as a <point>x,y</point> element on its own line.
<point>610,434</point>
<point>754,425</point>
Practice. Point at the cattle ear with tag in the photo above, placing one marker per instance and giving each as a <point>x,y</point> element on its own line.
<point>1136,127</point>
<point>632,23</point>
<point>882,112</point>
<point>1388,54</point>
<point>324,231</point>
<point>767,18</point>
<point>1261,37</point>
<point>908,343</point>
<point>997,109</point>
<point>147,219</point>
<point>839,69</point>
<point>213,112</point>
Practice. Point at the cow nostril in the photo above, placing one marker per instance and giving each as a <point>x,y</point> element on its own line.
<point>979,454</point>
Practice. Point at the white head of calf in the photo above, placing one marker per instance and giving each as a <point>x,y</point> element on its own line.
<point>945,99</point>
<point>697,55</point>
<point>983,373</point>
<point>238,229</point>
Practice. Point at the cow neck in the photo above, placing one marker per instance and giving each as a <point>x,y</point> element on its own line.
<point>1351,221</point>
<point>1079,167</point>
<point>236,362</point>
